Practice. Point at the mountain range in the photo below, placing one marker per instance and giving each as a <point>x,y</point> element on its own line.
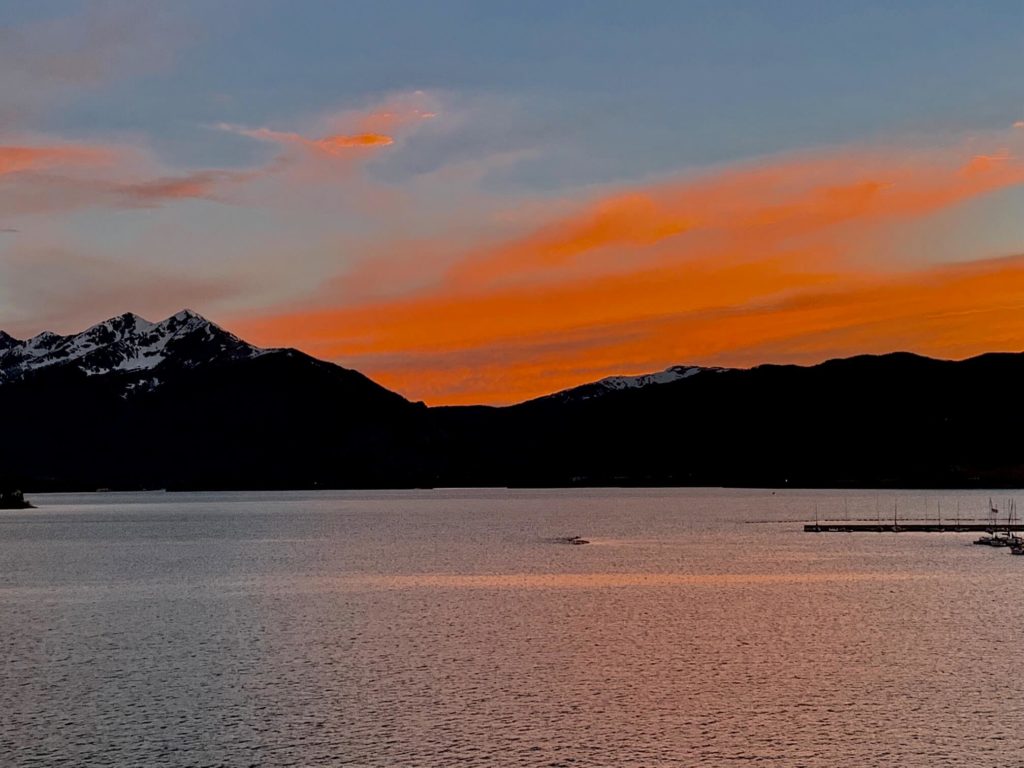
<point>182,403</point>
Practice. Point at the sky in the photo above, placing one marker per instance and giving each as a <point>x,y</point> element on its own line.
<point>483,202</point>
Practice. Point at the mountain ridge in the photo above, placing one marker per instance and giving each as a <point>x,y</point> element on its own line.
<point>185,404</point>
<point>129,326</point>
<point>138,343</point>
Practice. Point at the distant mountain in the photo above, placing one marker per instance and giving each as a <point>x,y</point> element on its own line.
<point>182,403</point>
<point>618,383</point>
<point>897,420</point>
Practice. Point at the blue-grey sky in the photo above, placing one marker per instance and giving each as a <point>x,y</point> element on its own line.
<point>635,83</point>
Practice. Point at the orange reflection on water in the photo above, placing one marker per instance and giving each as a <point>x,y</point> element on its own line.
<point>602,580</point>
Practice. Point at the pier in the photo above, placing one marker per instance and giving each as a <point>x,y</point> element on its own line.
<point>909,527</point>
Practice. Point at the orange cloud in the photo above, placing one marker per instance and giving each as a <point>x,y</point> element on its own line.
<point>633,219</point>
<point>742,265</point>
<point>741,213</point>
<point>334,143</point>
<point>15,159</point>
<point>347,132</point>
<point>331,145</point>
<point>65,176</point>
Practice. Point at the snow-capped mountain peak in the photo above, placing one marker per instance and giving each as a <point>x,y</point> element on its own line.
<point>611,384</point>
<point>675,373</point>
<point>126,344</point>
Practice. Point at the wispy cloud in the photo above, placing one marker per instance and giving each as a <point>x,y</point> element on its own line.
<point>347,132</point>
<point>331,145</point>
<point>199,185</point>
<point>55,177</point>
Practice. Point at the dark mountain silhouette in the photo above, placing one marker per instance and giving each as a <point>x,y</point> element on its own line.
<point>185,404</point>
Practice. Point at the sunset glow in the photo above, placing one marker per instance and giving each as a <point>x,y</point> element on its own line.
<point>779,261</point>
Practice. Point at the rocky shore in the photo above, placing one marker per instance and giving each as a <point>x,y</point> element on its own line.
<point>13,500</point>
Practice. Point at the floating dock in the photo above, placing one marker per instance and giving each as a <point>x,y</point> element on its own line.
<point>908,527</point>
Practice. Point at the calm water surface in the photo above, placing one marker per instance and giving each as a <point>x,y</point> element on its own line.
<point>433,628</point>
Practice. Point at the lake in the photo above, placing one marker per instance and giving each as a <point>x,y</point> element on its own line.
<point>434,628</point>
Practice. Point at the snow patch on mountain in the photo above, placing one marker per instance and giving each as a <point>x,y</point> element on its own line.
<point>127,344</point>
<point>618,383</point>
<point>675,373</point>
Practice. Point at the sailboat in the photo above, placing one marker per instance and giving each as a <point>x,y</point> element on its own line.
<point>991,539</point>
<point>1016,542</point>
<point>1009,539</point>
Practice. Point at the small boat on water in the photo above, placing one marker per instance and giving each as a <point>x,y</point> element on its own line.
<point>1014,542</point>
<point>1007,538</point>
<point>992,538</point>
<point>571,540</point>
